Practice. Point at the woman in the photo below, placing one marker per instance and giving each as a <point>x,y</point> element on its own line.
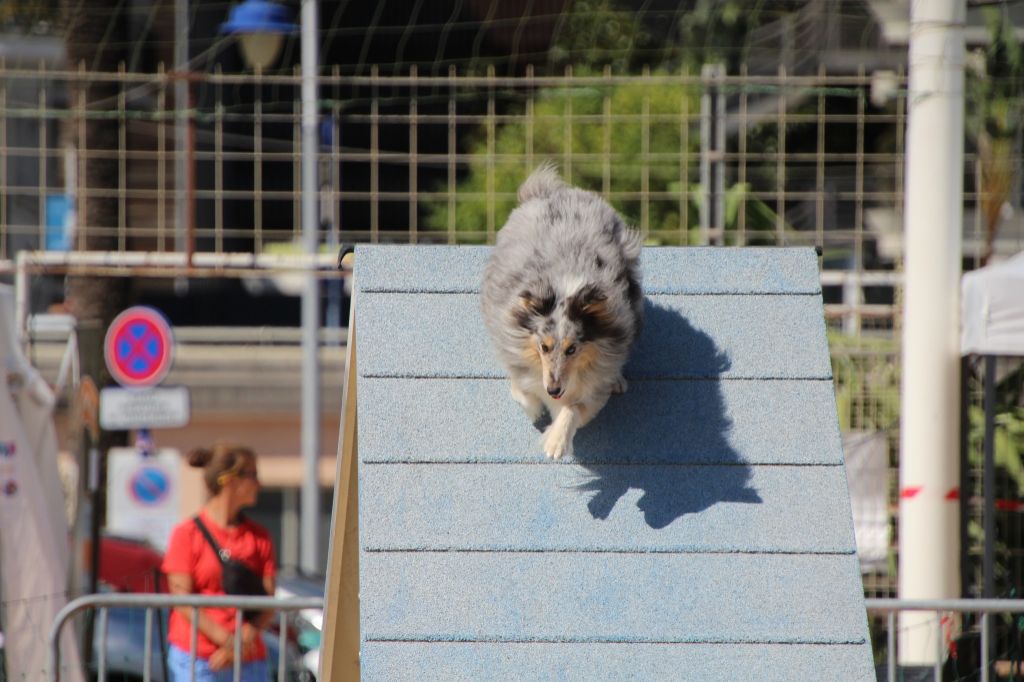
<point>193,567</point>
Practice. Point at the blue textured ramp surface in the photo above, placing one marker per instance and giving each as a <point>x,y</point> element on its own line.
<point>729,336</point>
<point>717,422</point>
<point>442,269</point>
<point>701,531</point>
<point>528,507</point>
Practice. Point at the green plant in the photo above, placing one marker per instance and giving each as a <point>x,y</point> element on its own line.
<point>867,382</point>
<point>995,113</point>
<point>1008,440</point>
<point>631,141</point>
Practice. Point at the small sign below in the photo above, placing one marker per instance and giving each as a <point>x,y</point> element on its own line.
<point>143,494</point>
<point>144,408</point>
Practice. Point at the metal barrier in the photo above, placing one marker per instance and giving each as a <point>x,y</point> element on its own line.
<point>983,607</point>
<point>102,602</point>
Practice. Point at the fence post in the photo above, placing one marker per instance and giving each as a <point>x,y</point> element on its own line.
<point>712,154</point>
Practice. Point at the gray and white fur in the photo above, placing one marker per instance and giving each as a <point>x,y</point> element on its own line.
<point>562,301</point>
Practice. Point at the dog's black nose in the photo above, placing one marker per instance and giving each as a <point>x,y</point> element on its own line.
<point>554,391</point>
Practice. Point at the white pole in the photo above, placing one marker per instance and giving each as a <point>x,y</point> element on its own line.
<point>309,512</point>
<point>929,424</point>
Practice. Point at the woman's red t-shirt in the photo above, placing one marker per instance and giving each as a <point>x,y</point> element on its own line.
<point>189,552</point>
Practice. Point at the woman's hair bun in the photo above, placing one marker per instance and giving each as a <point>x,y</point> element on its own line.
<point>200,457</point>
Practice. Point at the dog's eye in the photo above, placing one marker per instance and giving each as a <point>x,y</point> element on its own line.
<point>570,350</point>
<point>544,348</point>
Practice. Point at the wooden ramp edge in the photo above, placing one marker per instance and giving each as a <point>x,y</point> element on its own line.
<point>339,650</point>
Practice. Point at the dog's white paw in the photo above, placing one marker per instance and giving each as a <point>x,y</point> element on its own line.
<point>557,442</point>
<point>620,385</point>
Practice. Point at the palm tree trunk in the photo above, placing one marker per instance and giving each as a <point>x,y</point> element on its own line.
<point>95,43</point>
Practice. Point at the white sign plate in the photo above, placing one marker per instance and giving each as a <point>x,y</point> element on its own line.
<point>143,494</point>
<point>144,408</point>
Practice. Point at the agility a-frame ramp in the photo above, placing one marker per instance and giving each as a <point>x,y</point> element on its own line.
<point>702,530</point>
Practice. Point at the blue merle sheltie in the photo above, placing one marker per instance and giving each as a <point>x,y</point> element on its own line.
<point>562,301</point>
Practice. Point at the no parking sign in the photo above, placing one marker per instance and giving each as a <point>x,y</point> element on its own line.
<point>149,486</point>
<point>143,494</point>
<point>139,350</point>
<point>139,347</point>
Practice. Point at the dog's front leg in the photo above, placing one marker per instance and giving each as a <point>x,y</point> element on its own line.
<point>532,405</point>
<point>588,410</point>
<point>558,437</point>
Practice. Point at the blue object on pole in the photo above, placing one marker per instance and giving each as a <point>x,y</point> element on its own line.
<point>259,16</point>
<point>58,227</point>
<point>326,132</point>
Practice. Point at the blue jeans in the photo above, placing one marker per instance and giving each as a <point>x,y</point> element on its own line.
<point>178,666</point>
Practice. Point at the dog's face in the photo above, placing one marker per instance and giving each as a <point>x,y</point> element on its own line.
<point>563,335</point>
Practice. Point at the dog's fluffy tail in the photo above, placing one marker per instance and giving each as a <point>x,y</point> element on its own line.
<point>542,182</point>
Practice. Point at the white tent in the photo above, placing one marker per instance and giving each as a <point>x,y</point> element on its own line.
<point>991,326</point>
<point>992,309</point>
<point>33,528</point>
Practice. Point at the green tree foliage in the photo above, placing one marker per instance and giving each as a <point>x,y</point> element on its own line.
<point>598,33</point>
<point>636,143</point>
<point>716,31</point>
<point>1008,444</point>
<point>994,115</point>
<point>632,142</point>
<point>867,382</point>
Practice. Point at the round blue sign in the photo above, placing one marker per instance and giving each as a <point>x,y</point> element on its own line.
<point>139,347</point>
<point>149,486</point>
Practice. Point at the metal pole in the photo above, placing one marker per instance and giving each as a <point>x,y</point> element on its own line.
<point>310,507</point>
<point>989,480</point>
<point>706,72</point>
<point>181,132</point>
<point>965,474</point>
<point>718,193</point>
<point>989,474</point>
<point>928,539</point>
<point>985,646</point>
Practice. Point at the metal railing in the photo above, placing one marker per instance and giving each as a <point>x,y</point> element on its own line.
<point>103,602</point>
<point>984,608</point>
<point>890,608</point>
<point>797,160</point>
<point>89,161</point>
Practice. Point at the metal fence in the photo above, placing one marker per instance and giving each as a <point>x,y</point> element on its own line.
<point>102,603</point>
<point>963,637</point>
<point>88,161</point>
<point>959,623</point>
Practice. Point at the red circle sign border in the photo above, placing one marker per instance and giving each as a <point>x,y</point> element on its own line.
<point>163,329</point>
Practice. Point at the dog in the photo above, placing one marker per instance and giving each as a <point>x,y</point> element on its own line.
<point>561,298</point>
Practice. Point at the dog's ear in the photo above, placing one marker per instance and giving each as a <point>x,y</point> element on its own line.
<point>534,304</point>
<point>590,301</point>
<point>589,307</point>
<point>538,301</point>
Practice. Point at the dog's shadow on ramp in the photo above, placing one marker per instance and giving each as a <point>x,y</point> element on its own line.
<point>668,435</point>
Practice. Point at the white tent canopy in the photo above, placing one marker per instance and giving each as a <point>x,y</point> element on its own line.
<point>33,529</point>
<point>992,309</point>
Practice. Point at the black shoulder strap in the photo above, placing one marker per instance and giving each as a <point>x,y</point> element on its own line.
<point>209,538</point>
